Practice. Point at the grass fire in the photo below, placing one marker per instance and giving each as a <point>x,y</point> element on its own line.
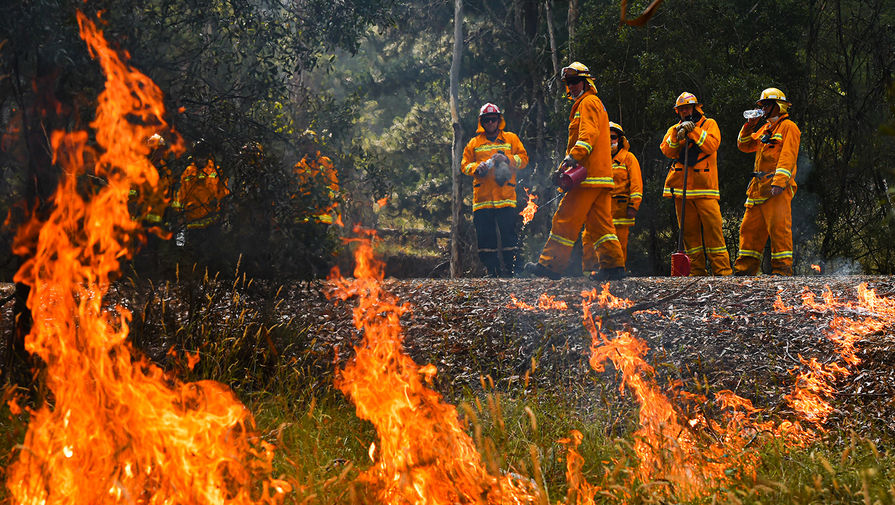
<point>260,255</point>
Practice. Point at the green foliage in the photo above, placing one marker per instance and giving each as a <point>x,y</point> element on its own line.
<point>232,74</point>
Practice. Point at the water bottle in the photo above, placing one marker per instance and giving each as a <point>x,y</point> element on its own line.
<point>753,113</point>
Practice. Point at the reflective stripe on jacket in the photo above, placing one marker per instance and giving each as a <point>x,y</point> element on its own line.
<point>486,193</point>
<point>627,178</point>
<point>702,180</point>
<point>775,161</point>
<point>589,141</point>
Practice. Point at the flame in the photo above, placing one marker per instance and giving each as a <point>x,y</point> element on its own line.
<point>816,268</point>
<point>580,492</point>
<point>815,384</point>
<point>694,455</point>
<point>606,299</point>
<point>382,202</point>
<point>423,455</point>
<point>528,213</point>
<point>780,306</point>
<point>118,429</point>
<point>545,302</point>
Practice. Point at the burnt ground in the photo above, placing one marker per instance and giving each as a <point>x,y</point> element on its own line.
<point>704,335</point>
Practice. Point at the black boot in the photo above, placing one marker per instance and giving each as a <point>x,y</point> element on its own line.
<point>608,274</point>
<point>540,270</point>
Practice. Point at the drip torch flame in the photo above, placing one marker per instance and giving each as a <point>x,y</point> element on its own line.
<point>118,429</point>
<point>528,213</point>
<point>816,268</point>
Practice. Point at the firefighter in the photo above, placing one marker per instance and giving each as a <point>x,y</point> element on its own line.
<point>200,193</point>
<point>319,169</point>
<point>695,138</point>
<point>774,138</point>
<point>147,203</point>
<point>626,197</point>
<point>492,158</point>
<point>590,202</point>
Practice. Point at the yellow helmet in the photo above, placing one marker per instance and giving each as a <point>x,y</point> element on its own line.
<point>686,98</point>
<point>577,69</point>
<point>776,95</point>
<point>617,127</point>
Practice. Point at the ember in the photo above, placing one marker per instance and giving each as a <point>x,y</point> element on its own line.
<point>118,428</point>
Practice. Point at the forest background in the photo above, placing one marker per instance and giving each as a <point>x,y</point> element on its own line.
<point>366,84</point>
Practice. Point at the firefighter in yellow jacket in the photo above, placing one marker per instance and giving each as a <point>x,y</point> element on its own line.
<point>492,158</point>
<point>590,202</point>
<point>200,192</point>
<point>626,196</point>
<point>769,196</point>
<point>695,139</point>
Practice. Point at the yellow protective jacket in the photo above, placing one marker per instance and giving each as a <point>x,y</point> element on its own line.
<point>199,195</point>
<point>486,193</point>
<point>702,180</point>
<point>775,161</point>
<point>589,141</point>
<point>626,176</point>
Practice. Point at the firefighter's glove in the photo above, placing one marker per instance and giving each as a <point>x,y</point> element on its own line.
<point>499,157</point>
<point>632,212</point>
<point>681,134</point>
<point>688,126</point>
<point>568,162</point>
<point>776,190</point>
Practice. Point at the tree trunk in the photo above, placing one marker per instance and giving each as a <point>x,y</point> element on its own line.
<point>555,83</point>
<point>573,20</point>
<point>457,147</point>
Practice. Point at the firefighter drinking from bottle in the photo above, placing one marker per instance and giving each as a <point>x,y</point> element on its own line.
<point>492,158</point>
<point>774,139</point>
<point>589,203</point>
<point>694,140</point>
<point>626,197</point>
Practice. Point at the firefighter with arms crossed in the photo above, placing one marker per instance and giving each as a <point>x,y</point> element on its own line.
<point>492,158</point>
<point>590,202</point>
<point>769,195</point>
<point>626,197</point>
<point>695,139</point>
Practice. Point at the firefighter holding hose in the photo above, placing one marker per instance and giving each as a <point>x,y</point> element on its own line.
<point>588,203</point>
<point>694,140</point>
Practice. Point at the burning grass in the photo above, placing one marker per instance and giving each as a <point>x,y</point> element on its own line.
<point>468,398</point>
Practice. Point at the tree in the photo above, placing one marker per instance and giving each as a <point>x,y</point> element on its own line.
<point>457,149</point>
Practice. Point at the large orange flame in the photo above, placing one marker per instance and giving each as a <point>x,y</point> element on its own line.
<point>424,455</point>
<point>117,429</point>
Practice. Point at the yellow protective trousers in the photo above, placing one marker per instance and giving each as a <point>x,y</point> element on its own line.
<point>773,219</point>
<point>622,224</point>
<point>592,208</point>
<point>703,237</point>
